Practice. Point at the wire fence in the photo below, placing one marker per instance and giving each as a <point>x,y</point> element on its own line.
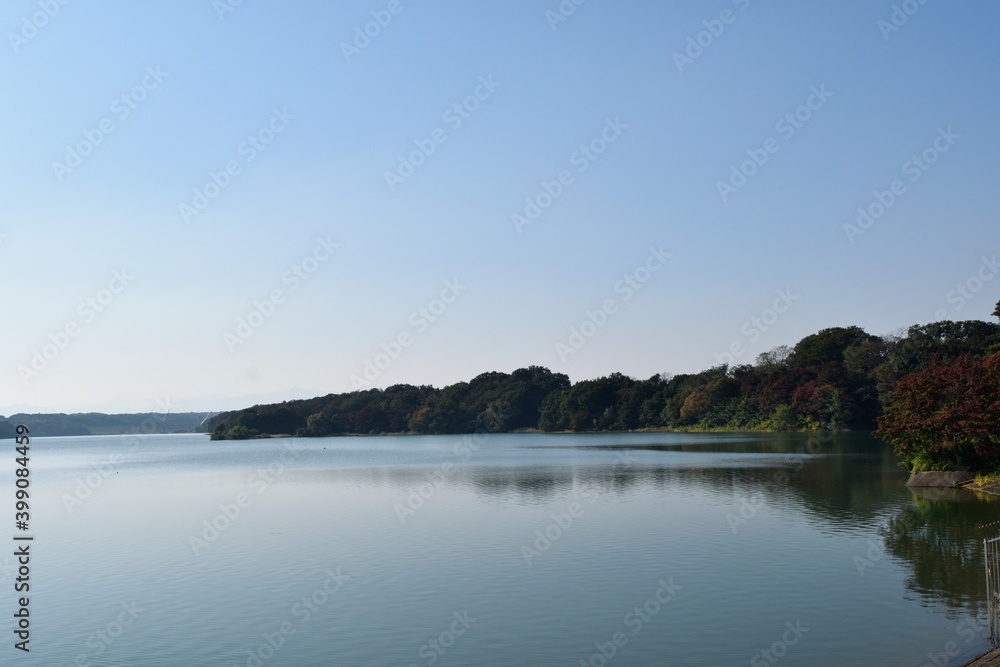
<point>991,549</point>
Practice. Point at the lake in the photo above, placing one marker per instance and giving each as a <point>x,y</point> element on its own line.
<point>496,550</point>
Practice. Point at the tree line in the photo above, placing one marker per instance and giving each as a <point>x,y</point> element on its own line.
<point>840,378</point>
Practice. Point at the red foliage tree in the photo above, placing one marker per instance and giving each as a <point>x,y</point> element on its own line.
<point>947,415</point>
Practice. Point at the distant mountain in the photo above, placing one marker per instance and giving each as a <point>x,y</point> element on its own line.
<point>96,423</point>
<point>179,404</point>
<point>222,403</point>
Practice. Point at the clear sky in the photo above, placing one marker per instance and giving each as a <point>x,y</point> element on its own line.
<point>334,171</point>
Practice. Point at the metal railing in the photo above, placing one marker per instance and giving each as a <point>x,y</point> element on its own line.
<point>991,550</point>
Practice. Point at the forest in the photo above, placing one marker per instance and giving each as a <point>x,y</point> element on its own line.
<point>840,378</point>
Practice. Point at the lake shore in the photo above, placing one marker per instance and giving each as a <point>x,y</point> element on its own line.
<point>535,431</point>
<point>992,488</point>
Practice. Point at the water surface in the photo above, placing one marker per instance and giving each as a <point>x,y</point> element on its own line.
<point>499,550</point>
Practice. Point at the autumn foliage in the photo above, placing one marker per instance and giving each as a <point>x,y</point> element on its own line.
<point>946,416</point>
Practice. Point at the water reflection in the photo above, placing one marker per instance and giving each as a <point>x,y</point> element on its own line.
<point>656,505</point>
<point>849,484</point>
<point>937,535</point>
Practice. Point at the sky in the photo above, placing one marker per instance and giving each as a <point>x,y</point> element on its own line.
<point>208,204</point>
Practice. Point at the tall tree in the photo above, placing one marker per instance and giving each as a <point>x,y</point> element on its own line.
<point>825,346</point>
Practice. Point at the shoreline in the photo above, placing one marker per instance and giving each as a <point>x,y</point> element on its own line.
<point>402,434</point>
<point>990,489</point>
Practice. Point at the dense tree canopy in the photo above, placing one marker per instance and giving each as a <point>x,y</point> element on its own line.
<point>947,415</point>
<point>826,346</point>
<point>839,378</point>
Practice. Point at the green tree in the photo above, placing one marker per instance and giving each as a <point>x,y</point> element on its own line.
<point>420,422</point>
<point>783,419</point>
<point>707,399</point>
<point>944,340</point>
<point>775,358</point>
<point>555,411</point>
<point>826,345</point>
<point>326,422</point>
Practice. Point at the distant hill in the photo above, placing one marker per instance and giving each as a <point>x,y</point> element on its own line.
<point>836,379</point>
<point>96,423</point>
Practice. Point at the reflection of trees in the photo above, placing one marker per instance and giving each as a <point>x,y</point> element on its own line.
<point>847,490</point>
<point>532,486</point>
<point>840,488</point>
<point>851,484</point>
<point>938,537</point>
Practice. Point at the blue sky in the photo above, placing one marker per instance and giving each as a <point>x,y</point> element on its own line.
<point>199,81</point>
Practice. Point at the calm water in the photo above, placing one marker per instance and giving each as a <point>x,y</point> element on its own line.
<point>683,549</point>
